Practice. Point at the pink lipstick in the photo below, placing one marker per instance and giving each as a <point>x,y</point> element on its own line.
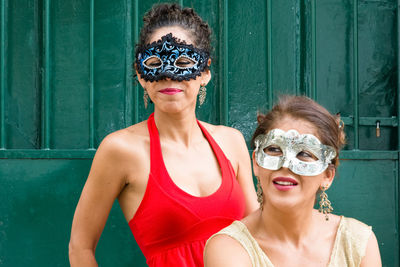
<point>170,91</point>
<point>284,183</point>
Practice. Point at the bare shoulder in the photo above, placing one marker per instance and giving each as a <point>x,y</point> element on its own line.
<point>224,133</point>
<point>223,250</point>
<point>128,141</point>
<point>123,153</point>
<point>229,139</point>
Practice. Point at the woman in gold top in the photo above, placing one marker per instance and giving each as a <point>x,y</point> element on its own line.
<point>295,158</point>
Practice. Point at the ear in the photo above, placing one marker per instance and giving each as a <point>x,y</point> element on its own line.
<point>206,77</point>
<point>255,165</point>
<point>329,176</point>
<point>141,81</point>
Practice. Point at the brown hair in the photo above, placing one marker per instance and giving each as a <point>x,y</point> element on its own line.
<point>163,15</point>
<point>329,127</point>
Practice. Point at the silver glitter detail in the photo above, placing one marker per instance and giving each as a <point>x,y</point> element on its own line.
<point>183,56</point>
<point>291,143</point>
<point>150,67</point>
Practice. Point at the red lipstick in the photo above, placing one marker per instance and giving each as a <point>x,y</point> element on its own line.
<point>284,183</point>
<point>170,91</point>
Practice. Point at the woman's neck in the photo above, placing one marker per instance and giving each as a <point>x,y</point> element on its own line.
<point>292,225</point>
<point>178,127</point>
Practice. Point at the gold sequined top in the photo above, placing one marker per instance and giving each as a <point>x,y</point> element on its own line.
<point>348,250</point>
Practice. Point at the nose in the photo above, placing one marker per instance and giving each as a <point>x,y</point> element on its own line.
<point>168,68</point>
<point>286,162</point>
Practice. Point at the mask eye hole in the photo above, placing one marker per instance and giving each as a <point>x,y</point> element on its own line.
<point>184,62</point>
<point>273,151</point>
<point>153,62</point>
<point>306,156</point>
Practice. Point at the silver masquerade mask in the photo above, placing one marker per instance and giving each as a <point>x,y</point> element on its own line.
<point>303,154</point>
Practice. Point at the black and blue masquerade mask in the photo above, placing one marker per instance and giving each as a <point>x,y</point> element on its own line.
<point>168,58</point>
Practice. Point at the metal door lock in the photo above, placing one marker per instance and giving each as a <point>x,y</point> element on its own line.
<point>378,128</point>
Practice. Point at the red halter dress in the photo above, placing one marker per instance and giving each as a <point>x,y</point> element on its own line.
<point>171,226</point>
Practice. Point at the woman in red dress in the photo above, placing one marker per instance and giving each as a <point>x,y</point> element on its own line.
<point>177,180</point>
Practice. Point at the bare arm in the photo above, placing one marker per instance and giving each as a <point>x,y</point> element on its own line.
<point>104,183</point>
<point>372,256</point>
<point>222,251</point>
<point>244,174</point>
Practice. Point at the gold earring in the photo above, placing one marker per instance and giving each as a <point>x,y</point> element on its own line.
<point>260,198</point>
<point>145,98</point>
<point>202,93</point>
<point>324,204</point>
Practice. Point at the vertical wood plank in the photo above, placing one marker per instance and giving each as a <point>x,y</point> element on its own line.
<point>355,74</point>
<point>312,93</point>
<point>2,76</point>
<point>91,77</point>
<point>223,54</point>
<point>46,105</point>
<point>270,95</point>
<point>398,75</point>
<point>298,44</point>
<point>396,196</point>
<point>128,105</point>
<point>135,39</point>
<point>397,185</point>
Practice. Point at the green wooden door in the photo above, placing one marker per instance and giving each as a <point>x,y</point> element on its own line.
<point>66,82</point>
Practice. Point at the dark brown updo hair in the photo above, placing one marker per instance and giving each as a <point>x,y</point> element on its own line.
<point>167,14</point>
<point>329,127</point>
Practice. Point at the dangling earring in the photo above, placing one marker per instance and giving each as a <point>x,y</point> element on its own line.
<point>145,98</point>
<point>260,198</point>
<point>202,93</point>
<point>324,204</point>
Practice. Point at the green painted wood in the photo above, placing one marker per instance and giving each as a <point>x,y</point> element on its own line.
<point>46,78</point>
<point>37,200</point>
<point>135,37</point>
<point>397,185</point>
<point>247,70</point>
<point>376,68</point>
<point>398,72</point>
<point>129,41</point>
<point>70,94</point>
<point>47,153</point>
<point>371,121</point>
<point>67,81</point>
<point>44,212</point>
<point>361,192</point>
<point>286,47</point>
<point>91,77</point>
<point>89,153</point>
<point>355,75</point>
<point>216,101</point>
<point>223,54</point>
<point>22,83</point>
<point>2,76</point>
<point>313,87</point>
<point>377,74</point>
<point>334,59</point>
<point>112,89</point>
<point>270,95</point>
